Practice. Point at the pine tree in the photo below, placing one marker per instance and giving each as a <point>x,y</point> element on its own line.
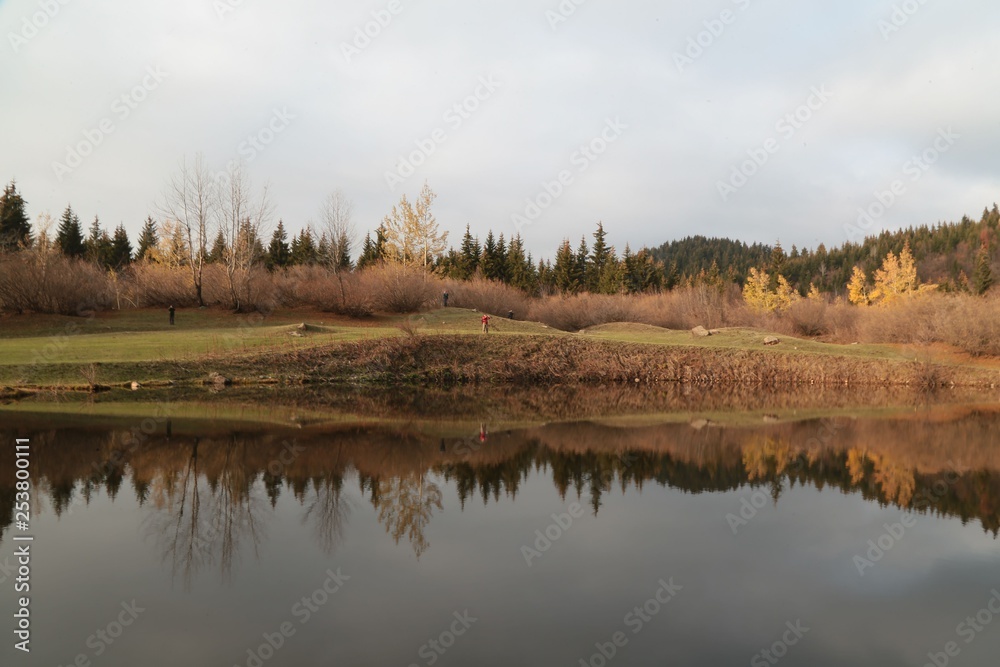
<point>97,247</point>
<point>581,265</point>
<point>600,257</point>
<point>520,270</point>
<point>982,279</point>
<point>69,236</point>
<point>148,240</point>
<point>121,249</point>
<point>565,273</point>
<point>372,252</point>
<point>469,255</point>
<point>217,253</point>
<point>278,252</point>
<point>303,250</point>
<point>493,260</point>
<point>15,230</point>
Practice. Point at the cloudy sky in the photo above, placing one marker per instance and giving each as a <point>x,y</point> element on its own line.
<point>753,119</point>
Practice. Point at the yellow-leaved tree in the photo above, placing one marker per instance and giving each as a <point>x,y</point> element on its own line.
<point>896,279</point>
<point>760,297</point>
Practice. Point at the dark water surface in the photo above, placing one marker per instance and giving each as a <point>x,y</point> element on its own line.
<point>839,540</point>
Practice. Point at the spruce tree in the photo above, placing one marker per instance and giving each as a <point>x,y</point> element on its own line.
<point>69,236</point>
<point>982,278</point>
<point>121,249</point>
<point>97,247</point>
<point>278,252</point>
<point>469,255</point>
<point>148,240</point>
<point>15,230</point>
<point>217,253</point>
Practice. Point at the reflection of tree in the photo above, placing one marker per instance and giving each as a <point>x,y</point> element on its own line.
<point>330,511</point>
<point>200,521</point>
<point>405,507</point>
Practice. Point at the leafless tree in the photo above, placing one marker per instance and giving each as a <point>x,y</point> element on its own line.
<point>191,200</point>
<point>243,220</point>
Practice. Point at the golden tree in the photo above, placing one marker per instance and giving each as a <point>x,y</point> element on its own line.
<point>758,295</point>
<point>896,279</point>
<point>412,236</point>
<point>857,288</point>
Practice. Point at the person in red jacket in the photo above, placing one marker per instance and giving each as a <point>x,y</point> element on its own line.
<point>486,323</point>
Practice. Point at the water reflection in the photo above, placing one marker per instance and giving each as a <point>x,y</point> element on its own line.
<point>208,497</point>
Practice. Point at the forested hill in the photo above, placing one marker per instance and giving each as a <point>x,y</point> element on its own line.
<point>946,254</point>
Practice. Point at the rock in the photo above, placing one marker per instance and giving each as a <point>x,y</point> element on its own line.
<point>218,380</point>
<point>770,419</point>
<point>771,340</point>
<point>699,424</point>
<point>297,334</point>
<point>135,386</point>
<point>700,331</point>
<point>302,327</point>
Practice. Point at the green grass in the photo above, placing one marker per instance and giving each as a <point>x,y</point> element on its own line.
<point>48,350</point>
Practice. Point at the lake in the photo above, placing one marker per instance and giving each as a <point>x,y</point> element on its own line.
<point>564,527</point>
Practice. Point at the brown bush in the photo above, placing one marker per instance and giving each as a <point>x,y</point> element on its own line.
<point>488,296</point>
<point>149,284</point>
<point>342,293</point>
<point>47,282</point>
<point>399,289</point>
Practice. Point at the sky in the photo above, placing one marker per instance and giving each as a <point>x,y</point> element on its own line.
<point>759,120</point>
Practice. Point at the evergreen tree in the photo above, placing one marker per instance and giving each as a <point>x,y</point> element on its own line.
<point>217,254</point>
<point>121,249</point>
<point>15,230</point>
<point>97,247</point>
<point>493,260</point>
<point>372,252</point>
<point>148,240</point>
<point>69,236</point>
<point>982,279</point>
<point>303,250</point>
<point>565,271</point>
<point>278,252</point>
<point>469,255</point>
<point>598,268</point>
<point>581,265</point>
<point>520,270</point>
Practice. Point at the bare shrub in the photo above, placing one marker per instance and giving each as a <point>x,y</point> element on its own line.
<point>342,292</point>
<point>808,317</point>
<point>488,296</point>
<point>150,284</point>
<point>973,325</point>
<point>44,282</point>
<point>399,289</point>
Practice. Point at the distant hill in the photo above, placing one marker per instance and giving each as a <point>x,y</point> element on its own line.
<point>945,253</point>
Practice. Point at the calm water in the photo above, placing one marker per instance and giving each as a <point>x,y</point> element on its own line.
<point>837,541</point>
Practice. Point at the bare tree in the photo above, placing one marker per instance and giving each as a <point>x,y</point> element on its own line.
<point>243,220</point>
<point>337,224</point>
<point>191,200</point>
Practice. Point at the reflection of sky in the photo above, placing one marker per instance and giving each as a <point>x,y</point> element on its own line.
<point>793,561</point>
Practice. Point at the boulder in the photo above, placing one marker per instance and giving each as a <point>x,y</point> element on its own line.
<point>771,340</point>
<point>700,332</point>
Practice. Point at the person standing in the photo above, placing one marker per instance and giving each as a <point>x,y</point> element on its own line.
<point>444,298</point>
<point>171,311</point>
<point>486,323</point>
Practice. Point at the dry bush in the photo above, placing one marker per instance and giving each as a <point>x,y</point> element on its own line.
<point>488,296</point>
<point>343,293</point>
<point>44,282</point>
<point>399,289</point>
<point>973,325</point>
<point>572,313</point>
<point>913,320</point>
<point>808,317</point>
<point>149,284</point>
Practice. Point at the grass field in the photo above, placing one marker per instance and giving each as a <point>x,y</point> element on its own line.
<point>47,350</point>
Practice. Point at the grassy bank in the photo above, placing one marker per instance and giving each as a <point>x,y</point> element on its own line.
<point>439,348</point>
